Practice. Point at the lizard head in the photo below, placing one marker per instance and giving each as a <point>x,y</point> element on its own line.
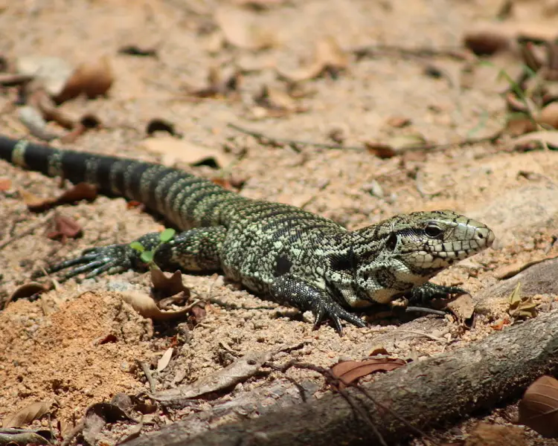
<point>407,250</point>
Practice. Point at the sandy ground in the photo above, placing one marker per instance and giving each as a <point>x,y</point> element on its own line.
<point>53,348</point>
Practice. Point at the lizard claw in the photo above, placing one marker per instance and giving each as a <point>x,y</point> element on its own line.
<point>335,313</point>
<point>430,291</point>
<point>95,261</point>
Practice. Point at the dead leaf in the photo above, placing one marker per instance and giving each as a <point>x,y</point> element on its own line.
<point>134,50</point>
<point>238,371</point>
<point>5,184</point>
<point>97,416</point>
<point>64,227</point>
<point>549,115</point>
<point>241,29</point>
<point>198,314</point>
<point>398,122</point>
<point>521,307</point>
<point>378,350</point>
<point>486,42</point>
<point>538,408</point>
<point>28,414</point>
<point>33,119</point>
<point>349,371</point>
<point>396,145</point>
<point>486,434</point>
<point>219,84</point>
<point>381,150</point>
<point>27,290</point>
<point>500,324</point>
<point>81,191</point>
<point>51,73</point>
<point>175,150</point>
<point>164,360</point>
<point>92,78</point>
<point>168,286</point>
<point>160,125</point>
<point>328,58</point>
<point>147,306</point>
<point>277,103</point>
<point>31,437</point>
<point>44,103</point>
<point>463,307</point>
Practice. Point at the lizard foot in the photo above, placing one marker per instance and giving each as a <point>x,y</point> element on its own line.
<point>95,261</point>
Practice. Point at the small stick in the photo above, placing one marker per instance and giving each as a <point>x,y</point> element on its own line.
<point>147,373</point>
<point>425,310</point>
<point>262,138</point>
<point>27,231</point>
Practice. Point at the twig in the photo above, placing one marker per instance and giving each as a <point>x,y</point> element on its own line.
<point>27,231</point>
<point>420,333</point>
<point>372,50</point>
<point>265,139</point>
<point>74,432</point>
<point>425,310</point>
<point>147,373</point>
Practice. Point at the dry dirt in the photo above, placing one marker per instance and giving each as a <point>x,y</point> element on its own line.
<point>56,347</point>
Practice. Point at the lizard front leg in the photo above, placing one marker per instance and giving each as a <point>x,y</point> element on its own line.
<point>193,250</point>
<point>304,296</point>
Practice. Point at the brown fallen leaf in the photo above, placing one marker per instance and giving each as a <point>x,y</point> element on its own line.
<point>28,414</point>
<point>50,73</point>
<point>198,314</point>
<point>81,191</point>
<point>164,360</point>
<point>5,184</point>
<point>538,408</point>
<point>219,84</point>
<point>238,371</point>
<point>174,150</point>
<point>521,307</point>
<point>463,307</point>
<point>500,324</point>
<point>44,103</point>
<point>494,435</point>
<point>27,290</point>
<point>277,103</point>
<point>349,371</point>
<point>93,78</point>
<point>328,58</point>
<point>99,414</point>
<point>147,306</point>
<point>396,145</point>
<point>64,228</point>
<point>168,286</point>
<point>241,29</point>
<point>398,121</point>
<point>486,42</point>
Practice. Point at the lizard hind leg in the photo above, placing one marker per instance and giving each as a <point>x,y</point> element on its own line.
<point>196,250</point>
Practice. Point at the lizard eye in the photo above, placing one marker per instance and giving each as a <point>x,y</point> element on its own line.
<point>432,230</point>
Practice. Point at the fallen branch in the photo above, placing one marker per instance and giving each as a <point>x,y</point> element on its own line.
<point>425,394</point>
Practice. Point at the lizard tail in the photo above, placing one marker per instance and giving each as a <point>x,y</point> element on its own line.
<point>162,189</point>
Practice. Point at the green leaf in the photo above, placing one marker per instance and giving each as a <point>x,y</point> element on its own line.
<point>137,246</point>
<point>167,235</point>
<point>147,256</point>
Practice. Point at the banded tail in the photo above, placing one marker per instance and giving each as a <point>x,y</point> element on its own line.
<point>184,199</point>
